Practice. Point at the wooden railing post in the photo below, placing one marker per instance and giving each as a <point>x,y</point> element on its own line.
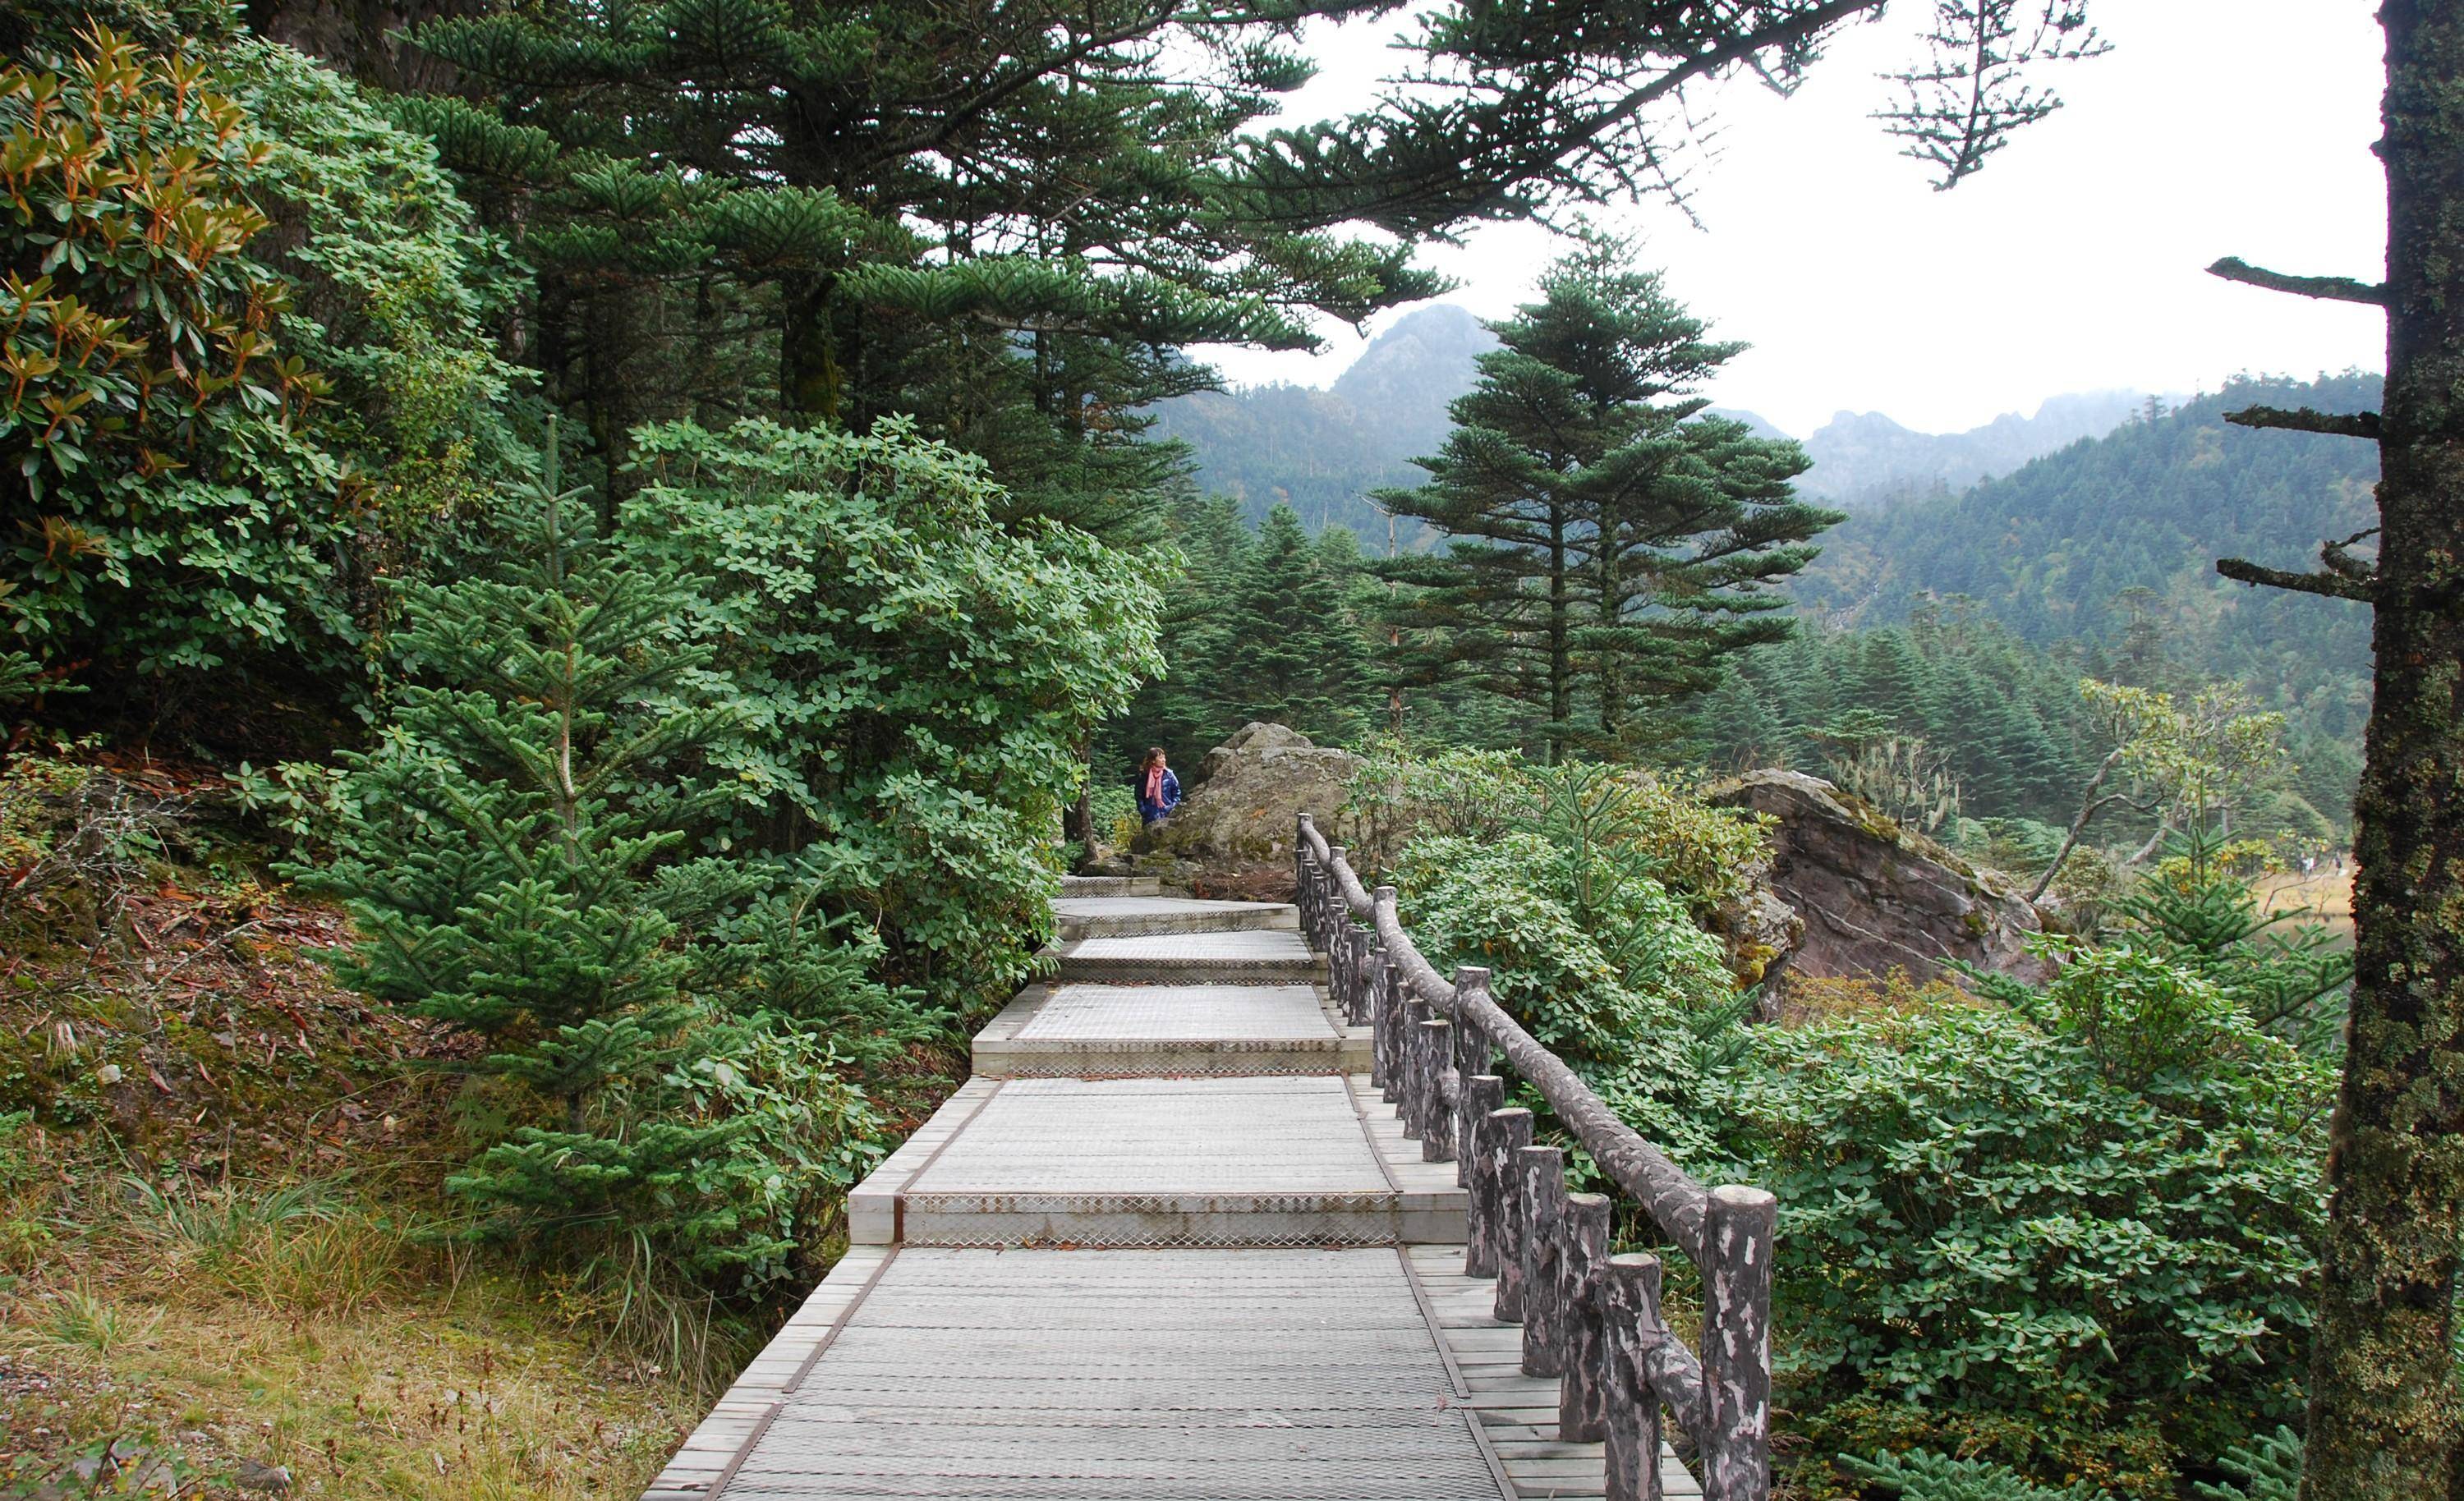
<point>1583,1381</point>
<point>1485,1094</point>
<point>1373,985</point>
<point>1301,861</point>
<point>1390,1025</point>
<point>1472,1057</point>
<point>1739,1226</point>
<point>1542,1170</point>
<point>1417,1084</point>
<point>1509,1132</point>
<point>1366,952</point>
<point>1629,1301</point>
<point>1335,915</point>
<point>1437,1116</point>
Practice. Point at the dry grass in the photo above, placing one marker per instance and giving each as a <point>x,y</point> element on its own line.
<point>287,1327</point>
<point>217,1248</point>
<point>1810,1000</point>
<point>2329,894</point>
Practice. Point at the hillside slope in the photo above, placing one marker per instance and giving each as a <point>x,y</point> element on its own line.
<point>2062,547</point>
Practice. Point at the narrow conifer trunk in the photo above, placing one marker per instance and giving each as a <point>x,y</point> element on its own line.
<point>1561,654</point>
<point>811,375</point>
<point>2384,1420</point>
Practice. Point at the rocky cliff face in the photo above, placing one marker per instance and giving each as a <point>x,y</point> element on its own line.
<point>1873,896</point>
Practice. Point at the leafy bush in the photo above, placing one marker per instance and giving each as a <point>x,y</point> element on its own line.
<point>166,503</point>
<point>1707,855</point>
<point>913,678</point>
<point>394,287</point>
<point>2100,1217</point>
<point>208,428</point>
<point>1587,947</point>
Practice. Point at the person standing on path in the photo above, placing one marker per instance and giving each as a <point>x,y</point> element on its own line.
<point>1158,790</point>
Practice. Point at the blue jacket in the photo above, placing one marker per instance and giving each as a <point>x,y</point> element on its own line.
<point>1149,812</point>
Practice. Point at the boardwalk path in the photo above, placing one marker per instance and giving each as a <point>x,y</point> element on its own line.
<point>1167,1245</point>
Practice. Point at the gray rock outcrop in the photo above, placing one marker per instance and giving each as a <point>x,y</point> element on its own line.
<point>1873,896</point>
<point>1250,792</point>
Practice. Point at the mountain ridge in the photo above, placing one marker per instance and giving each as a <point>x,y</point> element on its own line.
<point>1323,448</point>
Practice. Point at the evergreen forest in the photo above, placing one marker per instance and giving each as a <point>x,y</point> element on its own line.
<point>576,579</point>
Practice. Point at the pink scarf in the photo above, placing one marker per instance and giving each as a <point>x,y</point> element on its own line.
<point>1155,785</point>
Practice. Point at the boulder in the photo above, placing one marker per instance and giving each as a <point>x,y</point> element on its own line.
<point>1248,792</point>
<point>1873,896</point>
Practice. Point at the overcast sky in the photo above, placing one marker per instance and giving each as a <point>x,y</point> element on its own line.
<point>2072,262</point>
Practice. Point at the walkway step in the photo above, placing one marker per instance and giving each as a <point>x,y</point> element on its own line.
<point>1114,1376</point>
<point>1261,957</point>
<point>1162,1161</point>
<point>1131,916</point>
<point>1112,887</point>
<point>1101,1030</point>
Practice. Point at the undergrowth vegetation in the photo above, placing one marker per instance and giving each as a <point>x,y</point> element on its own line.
<point>2036,1242</point>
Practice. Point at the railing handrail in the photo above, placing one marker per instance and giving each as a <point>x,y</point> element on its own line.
<point>1723,1399</point>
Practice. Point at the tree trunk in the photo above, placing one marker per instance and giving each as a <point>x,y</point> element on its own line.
<point>1078,815</point>
<point>1561,651</point>
<point>2383,1421</point>
<point>811,378</point>
<point>2088,807</point>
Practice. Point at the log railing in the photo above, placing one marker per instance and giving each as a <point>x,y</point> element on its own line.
<point>1442,1053</point>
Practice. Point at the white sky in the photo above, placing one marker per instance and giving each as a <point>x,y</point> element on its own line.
<point>2072,262</point>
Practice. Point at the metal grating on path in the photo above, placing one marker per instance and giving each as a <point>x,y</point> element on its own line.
<point>1146,1376</point>
<point>1276,1309</point>
<point>1166,947</point>
<point>1180,1013</point>
<point>1202,1136</point>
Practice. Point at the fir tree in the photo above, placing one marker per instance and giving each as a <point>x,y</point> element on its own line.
<point>1001,220</point>
<point>1598,527</point>
<point>1298,656</point>
<point>511,869</point>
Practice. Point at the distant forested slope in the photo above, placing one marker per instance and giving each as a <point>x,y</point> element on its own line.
<point>1323,451</point>
<point>2122,531</point>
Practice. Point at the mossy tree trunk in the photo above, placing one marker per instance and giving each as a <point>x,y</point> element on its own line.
<point>2383,1419</point>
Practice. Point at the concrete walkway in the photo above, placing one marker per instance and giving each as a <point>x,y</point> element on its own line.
<point>1167,1245</point>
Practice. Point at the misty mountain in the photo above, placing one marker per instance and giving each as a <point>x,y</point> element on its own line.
<point>1323,450</point>
<point>1863,459</point>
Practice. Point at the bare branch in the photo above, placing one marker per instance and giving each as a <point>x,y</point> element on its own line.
<point>2335,586</point>
<point>2304,419</point>
<point>2339,561</point>
<point>2334,289</point>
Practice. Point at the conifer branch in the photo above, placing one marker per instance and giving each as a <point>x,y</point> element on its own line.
<point>2332,288</point>
<point>2304,419</point>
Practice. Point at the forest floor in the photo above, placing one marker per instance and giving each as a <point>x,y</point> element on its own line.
<point>220,1200</point>
<point>2329,894</point>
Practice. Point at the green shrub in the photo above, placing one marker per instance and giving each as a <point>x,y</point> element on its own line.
<point>2104,1217</point>
<point>913,678</point>
<point>1703,854</point>
<point>167,505</point>
<point>1587,947</point>
<point>2266,1468</point>
<point>515,870</point>
<point>219,435</point>
<point>1922,1476</point>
